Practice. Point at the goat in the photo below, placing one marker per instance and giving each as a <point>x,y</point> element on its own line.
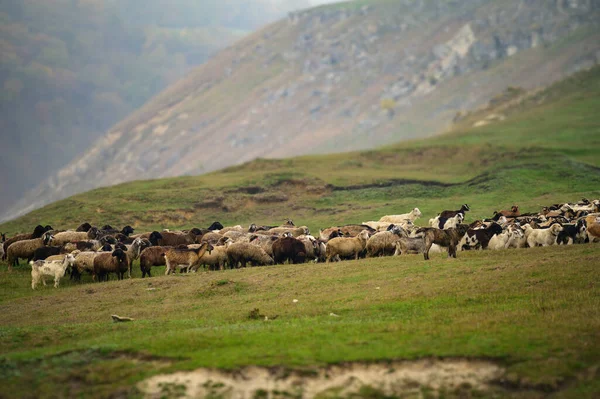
<point>56,269</point>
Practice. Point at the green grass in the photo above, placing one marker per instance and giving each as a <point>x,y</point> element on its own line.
<point>536,312</point>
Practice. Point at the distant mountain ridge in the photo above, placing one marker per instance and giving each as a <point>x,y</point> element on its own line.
<point>336,78</point>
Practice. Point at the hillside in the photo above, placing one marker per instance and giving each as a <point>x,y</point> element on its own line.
<point>537,148</point>
<point>531,316</point>
<point>72,69</point>
<point>336,78</point>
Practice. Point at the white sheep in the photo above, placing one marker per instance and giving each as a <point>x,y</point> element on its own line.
<point>400,219</point>
<point>42,268</point>
<point>508,239</point>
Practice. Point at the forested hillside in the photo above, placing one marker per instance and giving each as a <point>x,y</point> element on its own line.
<point>70,69</point>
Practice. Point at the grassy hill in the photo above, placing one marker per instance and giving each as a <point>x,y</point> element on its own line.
<point>535,313</point>
<point>545,151</point>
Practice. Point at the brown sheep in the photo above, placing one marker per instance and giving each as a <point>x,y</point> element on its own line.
<point>152,256</point>
<point>116,262</point>
<point>38,231</point>
<point>26,249</point>
<point>295,231</point>
<point>288,249</point>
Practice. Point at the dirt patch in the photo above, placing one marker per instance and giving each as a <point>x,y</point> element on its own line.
<point>347,380</point>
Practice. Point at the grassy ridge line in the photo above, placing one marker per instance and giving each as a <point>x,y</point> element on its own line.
<point>536,311</point>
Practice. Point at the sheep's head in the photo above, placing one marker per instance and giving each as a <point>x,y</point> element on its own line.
<point>215,226</point>
<point>460,217</point>
<point>252,228</point>
<point>556,228</point>
<point>305,230</point>
<point>38,231</point>
<point>120,255</point>
<point>196,231</point>
<point>514,209</point>
<point>364,235</point>
<point>84,227</point>
<point>416,212</point>
<point>127,230</point>
<point>70,259</point>
<point>47,238</point>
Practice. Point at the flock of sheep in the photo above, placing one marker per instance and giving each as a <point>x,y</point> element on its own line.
<point>100,252</point>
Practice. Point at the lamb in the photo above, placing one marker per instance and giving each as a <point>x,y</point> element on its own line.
<point>115,262</point>
<point>288,249</point>
<point>244,252</point>
<point>399,219</point>
<point>383,243</point>
<point>445,238</point>
<point>343,247</point>
<point>543,237</point>
<point>73,236</point>
<point>25,249</point>
<point>42,268</point>
<point>152,256</point>
<point>449,214</point>
<point>185,258</point>
<point>446,223</point>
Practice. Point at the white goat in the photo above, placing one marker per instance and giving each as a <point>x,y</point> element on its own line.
<point>42,268</point>
<point>401,219</point>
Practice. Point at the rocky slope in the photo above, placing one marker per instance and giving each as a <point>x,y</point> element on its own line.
<point>334,78</point>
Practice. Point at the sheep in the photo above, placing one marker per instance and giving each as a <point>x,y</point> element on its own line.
<point>263,241</point>
<point>211,237</point>
<point>44,252</point>
<point>84,261</point>
<point>115,262</point>
<point>351,230</point>
<point>243,252</point>
<point>507,239</point>
<point>231,228</point>
<point>445,238</point>
<point>38,231</point>
<point>378,226</point>
<point>399,219</point>
<point>72,236</point>
<point>295,231</point>
<point>448,214</point>
<point>288,249</point>
<point>109,230</point>
<point>26,248</point>
<point>382,243</point>
<point>446,223</point>
<point>216,259</point>
<point>174,239</point>
<point>543,237</point>
<point>215,226</point>
<point>313,248</point>
<point>343,247</point>
<point>152,257</point>
<point>42,268</point>
<point>83,227</point>
<point>185,258</point>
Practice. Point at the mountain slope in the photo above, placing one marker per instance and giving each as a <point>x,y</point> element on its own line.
<point>71,69</point>
<point>537,148</point>
<point>337,78</point>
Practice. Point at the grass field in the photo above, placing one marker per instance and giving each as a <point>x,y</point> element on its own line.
<point>534,312</point>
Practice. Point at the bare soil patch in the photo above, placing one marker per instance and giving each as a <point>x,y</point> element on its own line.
<point>399,378</point>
